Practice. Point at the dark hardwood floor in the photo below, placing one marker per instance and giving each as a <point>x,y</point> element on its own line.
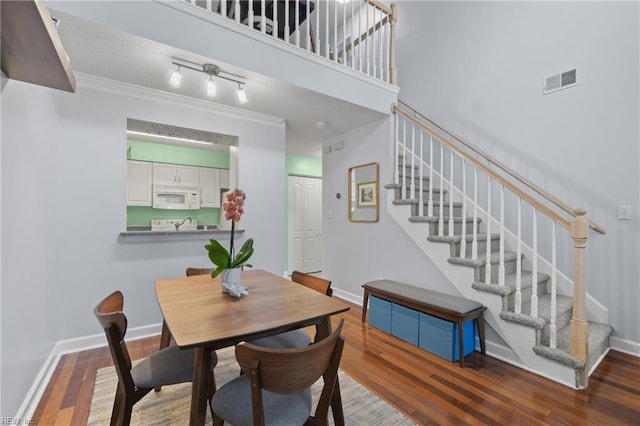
<point>426,388</point>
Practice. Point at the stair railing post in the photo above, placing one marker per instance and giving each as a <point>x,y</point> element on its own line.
<point>392,45</point>
<point>579,344</point>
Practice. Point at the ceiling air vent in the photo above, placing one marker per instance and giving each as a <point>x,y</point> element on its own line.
<point>560,81</point>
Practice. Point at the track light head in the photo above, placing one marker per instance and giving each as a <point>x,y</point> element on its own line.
<point>211,87</point>
<point>242,95</point>
<point>176,77</point>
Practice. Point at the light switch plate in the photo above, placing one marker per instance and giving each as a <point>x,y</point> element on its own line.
<point>624,212</point>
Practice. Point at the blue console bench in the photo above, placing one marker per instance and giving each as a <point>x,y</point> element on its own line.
<point>405,298</point>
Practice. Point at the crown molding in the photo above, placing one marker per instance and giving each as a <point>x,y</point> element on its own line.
<point>88,81</point>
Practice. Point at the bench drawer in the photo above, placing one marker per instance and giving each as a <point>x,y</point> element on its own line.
<point>441,337</point>
<point>380,314</point>
<point>405,323</point>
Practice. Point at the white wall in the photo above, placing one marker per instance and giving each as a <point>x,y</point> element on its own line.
<point>358,252</point>
<point>478,67</point>
<point>63,207</point>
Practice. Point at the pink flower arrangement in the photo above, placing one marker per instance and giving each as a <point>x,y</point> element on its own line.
<point>234,206</point>
<point>233,210</point>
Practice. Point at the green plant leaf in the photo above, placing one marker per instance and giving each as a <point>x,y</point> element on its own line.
<point>245,252</point>
<point>217,271</point>
<point>218,254</point>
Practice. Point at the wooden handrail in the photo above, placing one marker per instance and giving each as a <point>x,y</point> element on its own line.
<point>503,167</point>
<point>565,223</point>
<point>380,6</point>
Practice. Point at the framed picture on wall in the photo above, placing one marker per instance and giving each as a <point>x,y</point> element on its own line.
<point>367,194</point>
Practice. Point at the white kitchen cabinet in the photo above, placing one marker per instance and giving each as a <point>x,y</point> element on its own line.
<point>209,187</point>
<point>139,178</point>
<point>175,174</point>
<point>224,179</point>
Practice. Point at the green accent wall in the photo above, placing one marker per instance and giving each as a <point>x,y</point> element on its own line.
<point>302,166</point>
<point>141,216</point>
<point>161,153</point>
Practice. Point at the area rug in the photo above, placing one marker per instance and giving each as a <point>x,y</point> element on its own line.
<point>171,405</point>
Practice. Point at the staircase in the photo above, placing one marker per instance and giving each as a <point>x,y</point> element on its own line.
<point>497,239</point>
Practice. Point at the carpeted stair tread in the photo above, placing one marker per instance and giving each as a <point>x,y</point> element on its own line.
<point>416,201</point>
<point>435,219</point>
<point>563,305</point>
<point>598,337</point>
<point>454,239</point>
<point>482,261</point>
<point>509,286</point>
<point>424,189</point>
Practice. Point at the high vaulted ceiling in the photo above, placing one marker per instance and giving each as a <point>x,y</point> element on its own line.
<point>108,53</point>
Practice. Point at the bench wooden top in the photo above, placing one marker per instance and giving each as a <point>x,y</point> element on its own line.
<point>429,298</point>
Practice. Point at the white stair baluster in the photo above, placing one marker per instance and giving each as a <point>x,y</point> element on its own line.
<point>274,30</point>
<point>396,160</point>
<point>353,46</point>
<point>296,23</point>
<point>316,38</point>
<point>308,27</point>
<point>518,295</point>
<point>421,174</point>
<point>474,241</point>
<point>250,15</point>
<point>451,222</point>
<point>374,67</point>
<point>487,268</point>
<point>534,266</point>
<point>335,31</point>
<point>431,164</point>
<point>287,29</point>
<point>236,14</point>
<point>463,240</point>
<point>440,207</point>
<point>263,17</point>
<point>501,268</point>
<point>553,332</point>
<point>403,191</point>
<point>413,162</point>
<point>366,39</point>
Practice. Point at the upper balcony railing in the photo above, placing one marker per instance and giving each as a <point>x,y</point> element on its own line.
<point>358,34</point>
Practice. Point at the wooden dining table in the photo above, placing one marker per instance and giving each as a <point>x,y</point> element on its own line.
<point>201,316</point>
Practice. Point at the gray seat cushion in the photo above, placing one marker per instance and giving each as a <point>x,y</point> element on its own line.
<point>288,340</point>
<point>232,403</point>
<point>166,367</point>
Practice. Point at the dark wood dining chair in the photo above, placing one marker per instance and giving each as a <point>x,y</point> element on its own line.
<point>296,338</point>
<point>276,384</point>
<point>166,367</point>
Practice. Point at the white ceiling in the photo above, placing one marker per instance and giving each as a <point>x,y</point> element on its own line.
<point>115,55</point>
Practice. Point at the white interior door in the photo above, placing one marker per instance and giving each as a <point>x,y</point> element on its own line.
<point>305,224</point>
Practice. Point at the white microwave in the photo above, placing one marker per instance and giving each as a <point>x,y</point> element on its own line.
<point>176,197</point>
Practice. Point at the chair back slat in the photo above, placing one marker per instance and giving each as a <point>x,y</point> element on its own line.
<point>199,271</point>
<point>288,371</point>
<point>318,284</point>
<point>114,322</point>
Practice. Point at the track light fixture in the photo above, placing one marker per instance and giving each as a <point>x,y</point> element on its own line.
<point>175,78</point>
<point>213,71</point>
<point>242,95</point>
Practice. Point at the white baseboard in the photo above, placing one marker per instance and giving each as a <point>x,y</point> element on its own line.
<point>62,347</point>
<point>626,346</point>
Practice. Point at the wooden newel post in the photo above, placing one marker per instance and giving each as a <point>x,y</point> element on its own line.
<point>579,344</point>
<point>393,73</point>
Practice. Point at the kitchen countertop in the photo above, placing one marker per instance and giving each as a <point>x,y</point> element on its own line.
<point>145,231</point>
